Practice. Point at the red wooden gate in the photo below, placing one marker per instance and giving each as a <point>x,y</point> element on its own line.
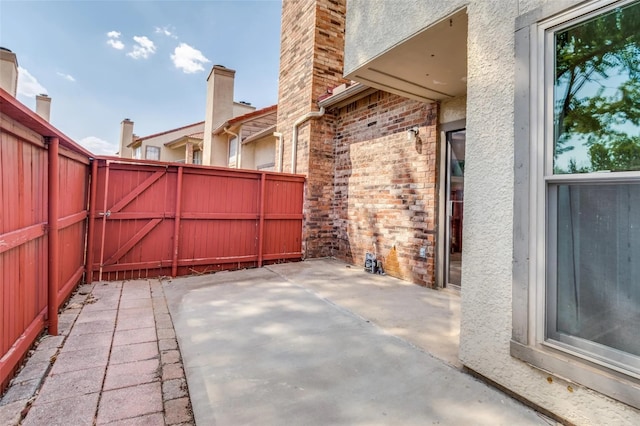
<point>150,219</point>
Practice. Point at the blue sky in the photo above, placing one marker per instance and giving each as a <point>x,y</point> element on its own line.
<point>103,61</point>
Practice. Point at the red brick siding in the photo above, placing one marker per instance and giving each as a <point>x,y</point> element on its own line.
<point>368,187</point>
<point>385,185</point>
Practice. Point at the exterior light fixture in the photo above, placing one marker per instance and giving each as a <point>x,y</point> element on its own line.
<point>412,133</point>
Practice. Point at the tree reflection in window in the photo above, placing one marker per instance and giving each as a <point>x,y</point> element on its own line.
<point>597,94</point>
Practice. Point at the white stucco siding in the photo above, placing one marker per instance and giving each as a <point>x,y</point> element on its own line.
<point>486,280</point>
<point>486,325</point>
<point>488,223</point>
<point>374,26</point>
<point>453,109</point>
<point>265,152</point>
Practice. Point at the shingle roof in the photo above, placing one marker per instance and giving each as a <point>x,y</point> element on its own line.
<point>252,114</point>
<point>167,131</point>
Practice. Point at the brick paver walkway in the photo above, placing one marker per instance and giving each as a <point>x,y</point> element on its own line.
<point>116,361</point>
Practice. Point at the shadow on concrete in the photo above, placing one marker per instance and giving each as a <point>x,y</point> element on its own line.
<point>319,343</point>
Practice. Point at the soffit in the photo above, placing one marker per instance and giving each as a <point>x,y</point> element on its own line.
<point>430,66</point>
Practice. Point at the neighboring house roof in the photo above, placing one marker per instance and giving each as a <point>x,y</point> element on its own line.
<point>245,118</point>
<point>199,135</point>
<point>267,131</point>
<point>193,137</point>
<point>155,135</point>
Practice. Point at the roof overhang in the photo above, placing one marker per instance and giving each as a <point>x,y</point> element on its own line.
<point>134,143</point>
<point>237,122</point>
<point>429,66</point>
<point>182,141</point>
<point>267,131</point>
<point>344,97</point>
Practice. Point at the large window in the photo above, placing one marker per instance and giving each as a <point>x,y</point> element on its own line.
<point>233,151</point>
<point>152,153</point>
<point>578,311</point>
<point>592,187</point>
<point>197,157</point>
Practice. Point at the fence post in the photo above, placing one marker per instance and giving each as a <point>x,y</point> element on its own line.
<point>263,179</point>
<point>92,219</point>
<point>105,215</point>
<point>176,229</point>
<point>54,255</point>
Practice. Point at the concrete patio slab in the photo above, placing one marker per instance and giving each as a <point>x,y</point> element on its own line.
<point>80,360</point>
<point>78,411</point>
<point>297,344</point>
<point>129,402</point>
<point>71,384</point>
<point>132,374</point>
<point>134,352</point>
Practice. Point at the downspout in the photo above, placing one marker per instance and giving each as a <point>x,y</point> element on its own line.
<point>229,132</point>
<point>294,138</point>
<point>280,150</point>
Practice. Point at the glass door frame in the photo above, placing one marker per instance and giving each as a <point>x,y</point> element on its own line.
<point>443,247</point>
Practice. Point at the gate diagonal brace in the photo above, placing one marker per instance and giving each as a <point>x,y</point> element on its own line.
<point>132,242</point>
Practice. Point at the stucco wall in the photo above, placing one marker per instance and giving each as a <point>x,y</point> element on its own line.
<point>372,27</point>
<point>487,272</point>
<point>453,110</point>
<point>265,153</point>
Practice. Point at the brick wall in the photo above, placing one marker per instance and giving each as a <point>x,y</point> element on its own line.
<point>368,187</point>
<point>385,185</point>
<point>311,58</point>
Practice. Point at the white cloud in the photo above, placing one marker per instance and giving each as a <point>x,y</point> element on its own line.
<point>116,44</point>
<point>98,146</point>
<point>165,31</point>
<point>113,40</point>
<point>67,77</point>
<point>188,59</point>
<point>143,49</point>
<point>28,85</point>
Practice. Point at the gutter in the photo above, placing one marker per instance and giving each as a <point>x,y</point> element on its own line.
<point>294,138</point>
<point>280,149</point>
<point>229,132</point>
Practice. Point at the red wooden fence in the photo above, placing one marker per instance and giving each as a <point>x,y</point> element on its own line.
<point>155,219</point>
<point>145,219</point>
<point>37,164</point>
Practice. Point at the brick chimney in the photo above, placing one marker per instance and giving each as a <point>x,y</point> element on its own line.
<point>126,137</point>
<point>43,106</point>
<point>311,60</point>
<point>8,71</point>
<point>218,110</point>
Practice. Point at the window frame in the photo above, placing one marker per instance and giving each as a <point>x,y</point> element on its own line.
<point>137,152</point>
<point>149,148</point>
<point>197,157</point>
<point>533,196</point>
<point>232,160</point>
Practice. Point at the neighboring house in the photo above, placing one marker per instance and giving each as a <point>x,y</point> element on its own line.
<point>183,144</point>
<point>256,149</point>
<point>439,135</point>
<point>212,142</point>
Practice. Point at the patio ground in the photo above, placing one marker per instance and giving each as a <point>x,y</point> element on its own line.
<point>320,342</point>
<point>315,343</point>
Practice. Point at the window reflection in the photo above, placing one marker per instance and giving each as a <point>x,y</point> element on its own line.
<point>597,94</point>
